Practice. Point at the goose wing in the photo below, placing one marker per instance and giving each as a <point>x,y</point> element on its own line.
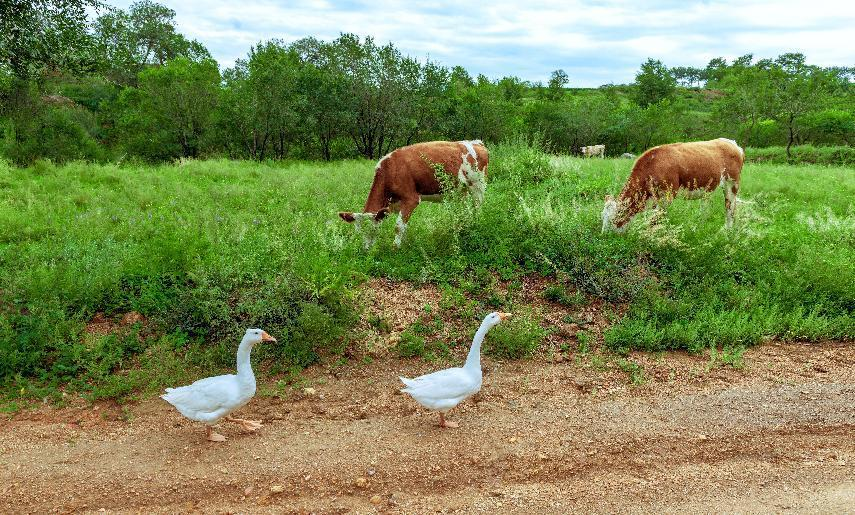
<point>451,383</point>
<point>204,397</point>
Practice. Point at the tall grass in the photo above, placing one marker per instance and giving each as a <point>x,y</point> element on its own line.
<point>205,249</point>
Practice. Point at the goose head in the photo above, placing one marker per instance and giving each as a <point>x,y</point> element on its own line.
<point>495,318</point>
<point>255,336</point>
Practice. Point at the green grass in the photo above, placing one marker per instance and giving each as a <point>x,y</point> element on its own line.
<point>207,249</point>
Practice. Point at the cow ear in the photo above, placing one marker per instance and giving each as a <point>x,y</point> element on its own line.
<point>381,214</point>
<point>347,217</point>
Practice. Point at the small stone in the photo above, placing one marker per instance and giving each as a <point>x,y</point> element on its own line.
<point>360,482</point>
<point>513,439</point>
<point>371,472</point>
<point>309,391</point>
<point>376,499</point>
<point>248,490</point>
<point>277,489</point>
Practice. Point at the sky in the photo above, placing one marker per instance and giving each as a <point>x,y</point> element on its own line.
<point>596,43</point>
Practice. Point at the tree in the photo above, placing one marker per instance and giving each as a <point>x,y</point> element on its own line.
<point>747,100</point>
<point>557,81</point>
<point>145,35</point>
<point>40,34</point>
<point>688,76</point>
<point>715,70</point>
<point>654,83</point>
<point>169,114</point>
<point>798,90</point>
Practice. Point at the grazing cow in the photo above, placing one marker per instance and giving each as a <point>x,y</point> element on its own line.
<point>627,155</point>
<point>406,176</point>
<point>594,150</point>
<point>659,173</point>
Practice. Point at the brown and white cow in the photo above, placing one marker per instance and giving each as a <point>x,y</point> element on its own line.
<point>594,150</point>
<point>661,172</point>
<point>408,175</point>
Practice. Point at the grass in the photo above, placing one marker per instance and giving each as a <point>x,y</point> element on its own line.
<point>206,249</point>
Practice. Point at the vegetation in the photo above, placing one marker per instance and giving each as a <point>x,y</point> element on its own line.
<point>106,209</point>
<point>204,249</point>
<point>125,84</point>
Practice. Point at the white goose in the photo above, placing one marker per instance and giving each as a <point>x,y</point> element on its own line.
<point>445,389</point>
<point>209,400</point>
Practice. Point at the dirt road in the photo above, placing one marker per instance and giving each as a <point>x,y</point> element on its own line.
<point>776,436</point>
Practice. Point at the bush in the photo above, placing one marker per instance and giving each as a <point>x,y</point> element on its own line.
<point>56,133</point>
<point>521,161</point>
<point>516,338</point>
<point>802,154</point>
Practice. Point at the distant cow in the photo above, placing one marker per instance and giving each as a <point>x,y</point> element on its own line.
<point>594,150</point>
<point>627,155</point>
<point>406,176</point>
<point>659,173</point>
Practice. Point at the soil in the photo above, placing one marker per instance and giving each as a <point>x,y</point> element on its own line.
<point>777,435</point>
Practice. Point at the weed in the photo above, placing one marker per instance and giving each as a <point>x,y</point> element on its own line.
<point>516,338</point>
<point>633,370</point>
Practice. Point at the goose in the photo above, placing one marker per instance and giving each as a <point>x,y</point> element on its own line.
<point>445,389</point>
<point>210,399</point>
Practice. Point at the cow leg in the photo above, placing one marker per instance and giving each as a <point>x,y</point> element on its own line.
<point>407,207</point>
<point>731,188</point>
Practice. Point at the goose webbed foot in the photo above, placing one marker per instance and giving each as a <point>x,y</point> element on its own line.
<point>446,423</point>
<point>213,436</point>
<point>247,425</point>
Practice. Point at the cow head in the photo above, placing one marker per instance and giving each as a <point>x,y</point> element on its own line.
<point>610,212</point>
<point>365,223</point>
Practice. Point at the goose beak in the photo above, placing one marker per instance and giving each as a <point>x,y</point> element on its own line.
<point>505,316</point>
<point>266,337</point>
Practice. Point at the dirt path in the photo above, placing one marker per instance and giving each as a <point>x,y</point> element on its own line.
<point>777,436</point>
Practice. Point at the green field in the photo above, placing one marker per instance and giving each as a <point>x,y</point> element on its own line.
<point>204,249</point>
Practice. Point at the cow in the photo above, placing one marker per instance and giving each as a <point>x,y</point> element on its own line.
<point>408,175</point>
<point>661,172</point>
<point>594,150</point>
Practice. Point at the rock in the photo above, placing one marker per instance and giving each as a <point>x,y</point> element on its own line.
<point>376,499</point>
<point>513,439</point>
<point>360,482</point>
<point>248,490</point>
<point>309,391</point>
<point>277,489</point>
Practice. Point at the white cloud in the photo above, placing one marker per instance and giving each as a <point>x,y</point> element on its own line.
<point>595,42</point>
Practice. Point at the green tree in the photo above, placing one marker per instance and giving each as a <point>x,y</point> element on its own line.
<point>654,83</point>
<point>44,34</point>
<point>169,114</point>
<point>557,82</point>
<point>799,90</point>
<point>145,35</point>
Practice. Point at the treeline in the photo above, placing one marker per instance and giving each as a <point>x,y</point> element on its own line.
<point>126,84</point>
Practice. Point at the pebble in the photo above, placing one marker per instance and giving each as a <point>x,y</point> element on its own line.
<point>360,482</point>
<point>309,391</point>
<point>376,499</point>
<point>277,489</point>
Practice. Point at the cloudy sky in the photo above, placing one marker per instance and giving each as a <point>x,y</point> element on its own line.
<point>594,42</point>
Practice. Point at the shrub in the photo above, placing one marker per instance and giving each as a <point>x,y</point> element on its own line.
<point>521,161</point>
<point>516,338</point>
<point>803,154</point>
